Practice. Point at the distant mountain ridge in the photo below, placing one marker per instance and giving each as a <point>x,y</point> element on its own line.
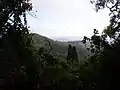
<point>67,38</point>
<point>59,47</point>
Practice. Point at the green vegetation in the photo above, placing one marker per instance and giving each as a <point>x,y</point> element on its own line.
<point>60,48</point>
<point>28,66</point>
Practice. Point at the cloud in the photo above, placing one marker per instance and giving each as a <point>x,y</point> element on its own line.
<point>67,18</point>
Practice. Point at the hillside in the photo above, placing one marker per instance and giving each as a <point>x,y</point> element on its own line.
<point>60,48</point>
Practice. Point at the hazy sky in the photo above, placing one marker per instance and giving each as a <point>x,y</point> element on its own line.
<point>64,18</point>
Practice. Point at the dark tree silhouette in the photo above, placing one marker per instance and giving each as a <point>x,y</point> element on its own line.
<point>74,54</point>
<point>16,50</point>
<point>69,56</point>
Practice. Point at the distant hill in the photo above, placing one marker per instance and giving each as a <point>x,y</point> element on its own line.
<point>60,48</point>
<point>67,38</point>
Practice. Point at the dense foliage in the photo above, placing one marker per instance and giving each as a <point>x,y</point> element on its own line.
<point>23,66</point>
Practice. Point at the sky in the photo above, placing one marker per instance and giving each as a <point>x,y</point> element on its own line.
<point>66,19</point>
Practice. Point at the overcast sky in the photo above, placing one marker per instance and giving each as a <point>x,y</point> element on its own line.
<point>66,18</point>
